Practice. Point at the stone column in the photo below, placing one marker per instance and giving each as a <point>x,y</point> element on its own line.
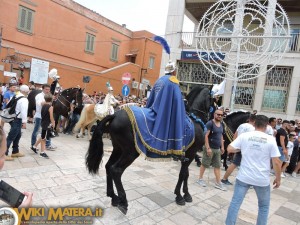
<point>293,92</point>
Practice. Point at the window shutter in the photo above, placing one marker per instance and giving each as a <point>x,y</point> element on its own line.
<point>25,20</point>
<point>29,21</point>
<point>87,42</point>
<point>22,18</point>
<point>92,43</point>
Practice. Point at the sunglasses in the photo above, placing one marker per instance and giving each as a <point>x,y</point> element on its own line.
<point>219,114</point>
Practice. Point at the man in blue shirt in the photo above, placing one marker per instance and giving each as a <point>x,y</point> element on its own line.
<point>9,94</point>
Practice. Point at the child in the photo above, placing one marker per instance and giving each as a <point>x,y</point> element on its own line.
<point>47,121</point>
<point>290,147</point>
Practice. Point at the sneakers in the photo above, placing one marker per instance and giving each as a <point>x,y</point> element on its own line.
<point>34,149</point>
<point>294,174</point>
<point>44,155</point>
<point>51,148</point>
<point>283,175</point>
<point>201,182</point>
<point>220,186</point>
<point>9,158</point>
<point>227,182</point>
<point>19,154</point>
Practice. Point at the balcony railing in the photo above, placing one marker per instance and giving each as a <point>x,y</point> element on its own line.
<point>188,41</point>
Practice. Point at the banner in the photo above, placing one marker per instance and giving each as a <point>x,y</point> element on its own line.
<point>39,71</point>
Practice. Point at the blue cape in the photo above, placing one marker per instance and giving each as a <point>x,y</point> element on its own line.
<point>162,128</point>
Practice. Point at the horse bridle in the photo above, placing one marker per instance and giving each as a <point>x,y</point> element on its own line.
<point>206,115</point>
<point>76,100</point>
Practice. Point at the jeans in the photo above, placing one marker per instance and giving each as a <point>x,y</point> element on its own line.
<point>35,131</point>
<point>14,135</point>
<point>240,190</point>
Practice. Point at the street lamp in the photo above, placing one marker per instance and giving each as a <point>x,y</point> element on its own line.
<point>139,91</point>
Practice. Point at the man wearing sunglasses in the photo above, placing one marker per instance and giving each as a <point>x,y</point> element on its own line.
<point>214,147</point>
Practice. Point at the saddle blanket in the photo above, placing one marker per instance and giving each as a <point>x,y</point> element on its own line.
<point>157,141</point>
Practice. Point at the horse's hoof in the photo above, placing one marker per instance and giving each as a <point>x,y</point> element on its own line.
<point>123,209</point>
<point>180,200</point>
<point>77,136</point>
<point>188,198</point>
<point>115,202</point>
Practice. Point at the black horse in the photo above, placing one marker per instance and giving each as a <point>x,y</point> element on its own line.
<point>124,151</point>
<point>61,107</point>
<point>231,122</point>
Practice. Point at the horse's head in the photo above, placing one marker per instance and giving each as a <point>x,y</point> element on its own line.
<point>73,94</point>
<point>200,102</point>
<point>234,119</point>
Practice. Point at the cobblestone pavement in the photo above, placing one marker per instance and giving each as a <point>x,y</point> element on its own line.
<point>63,180</point>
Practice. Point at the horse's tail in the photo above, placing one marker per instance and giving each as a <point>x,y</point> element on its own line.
<point>81,119</point>
<point>95,151</point>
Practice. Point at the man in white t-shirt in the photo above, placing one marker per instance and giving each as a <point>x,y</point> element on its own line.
<point>39,101</point>
<point>257,149</point>
<point>243,128</point>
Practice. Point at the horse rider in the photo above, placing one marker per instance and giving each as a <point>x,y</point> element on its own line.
<point>111,100</point>
<point>54,84</point>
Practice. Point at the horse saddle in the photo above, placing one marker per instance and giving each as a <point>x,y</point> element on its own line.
<point>101,110</point>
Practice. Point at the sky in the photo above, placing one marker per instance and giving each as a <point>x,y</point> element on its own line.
<point>136,14</point>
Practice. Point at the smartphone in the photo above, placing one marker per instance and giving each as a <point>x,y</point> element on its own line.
<point>10,195</point>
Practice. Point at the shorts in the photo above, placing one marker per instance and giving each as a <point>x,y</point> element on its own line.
<point>214,160</point>
<point>282,156</point>
<point>237,159</point>
<point>45,134</point>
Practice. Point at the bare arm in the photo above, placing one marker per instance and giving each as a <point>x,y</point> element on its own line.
<point>51,116</point>
<point>222,145</point>
<point>208,150</point>
<point>231,149</point>
<point>277,168</point>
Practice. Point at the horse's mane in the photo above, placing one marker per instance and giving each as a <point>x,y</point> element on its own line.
<point>234,119</point>
<point>194,93</point>
<point>235,113</point>
<point>68,89</point>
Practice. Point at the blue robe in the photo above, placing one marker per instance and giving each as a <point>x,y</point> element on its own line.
<point>162,128</point>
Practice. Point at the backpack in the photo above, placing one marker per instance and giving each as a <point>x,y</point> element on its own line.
<point>9,113</point>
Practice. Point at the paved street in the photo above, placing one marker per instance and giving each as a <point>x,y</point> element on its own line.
<point>63,180</point>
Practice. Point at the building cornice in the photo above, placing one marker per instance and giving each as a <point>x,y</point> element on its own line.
<point>92,15</point>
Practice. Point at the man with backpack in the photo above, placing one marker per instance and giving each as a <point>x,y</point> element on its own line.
<point>214,147</point>
<point>17,124</point>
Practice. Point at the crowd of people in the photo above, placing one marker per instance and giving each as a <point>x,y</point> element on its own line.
<point>261,146</point>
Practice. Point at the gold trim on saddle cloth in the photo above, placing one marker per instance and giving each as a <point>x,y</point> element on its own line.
<point>228,132</point>
<point>157,151</point>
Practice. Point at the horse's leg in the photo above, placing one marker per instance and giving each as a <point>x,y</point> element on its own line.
<point>89,130</point>
<point>56,118</point>
<point>187,197</point>
<point>179,199</point>
<point>115,155</point>
<point>117,170</point>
